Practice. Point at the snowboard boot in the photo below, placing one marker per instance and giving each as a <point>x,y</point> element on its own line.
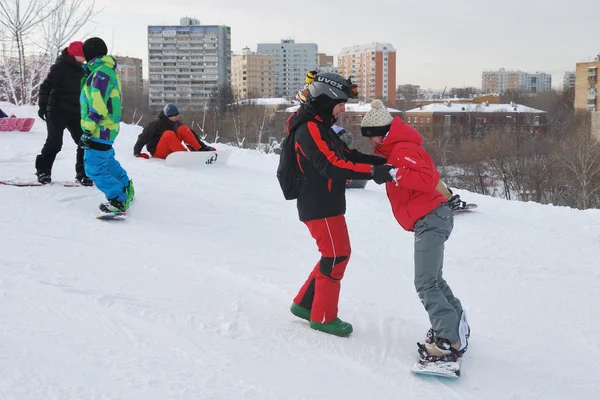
<point>44,176</point>
<point>300,312</point>
<point>130,191</point>
<point>84,180</point>
<point>335,327</point>
<point>430,337</point>
<point>456,203</point>
<point>113,206</point>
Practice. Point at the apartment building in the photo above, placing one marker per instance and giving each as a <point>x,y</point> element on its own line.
<point>373,69</point>
<point>569,80</point>
<point>475,119</point>
<point>252,75</point>
<point>586,86</point>
<point>132,80</point>
<point>503,80</point>
<point>187,62</point>
<point>291,62</point>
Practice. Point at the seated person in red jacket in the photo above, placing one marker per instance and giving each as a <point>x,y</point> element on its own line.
<point>166,135</point>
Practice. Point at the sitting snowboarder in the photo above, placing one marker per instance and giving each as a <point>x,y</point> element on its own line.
<point>165,135</point>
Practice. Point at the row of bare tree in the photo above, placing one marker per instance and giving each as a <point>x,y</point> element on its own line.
<point>32,32</point>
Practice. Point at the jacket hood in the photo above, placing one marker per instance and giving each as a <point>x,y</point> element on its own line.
<point>107,61</point>
<point>304,114</point>
<point>399,133</point>
<point>65,57</point>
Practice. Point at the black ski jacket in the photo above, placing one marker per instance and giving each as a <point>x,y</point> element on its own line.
<point>60,91</point>
<point>325,163</point>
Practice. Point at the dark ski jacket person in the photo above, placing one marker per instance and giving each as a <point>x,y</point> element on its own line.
<point>59,107</point>
<point>165,135</point>
<point>324,163</point>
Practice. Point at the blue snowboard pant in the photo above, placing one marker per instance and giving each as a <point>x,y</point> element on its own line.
<point>106,172</point>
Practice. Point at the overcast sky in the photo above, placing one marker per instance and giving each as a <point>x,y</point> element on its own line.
<point>439,42</point>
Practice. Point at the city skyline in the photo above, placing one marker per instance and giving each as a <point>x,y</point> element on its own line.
<point>439,43</point>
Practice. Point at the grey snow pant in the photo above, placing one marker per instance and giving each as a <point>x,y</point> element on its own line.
<point>443,308</point>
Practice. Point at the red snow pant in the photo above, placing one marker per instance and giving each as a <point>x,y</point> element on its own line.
<point>170,142</point>
<point>321,291</point>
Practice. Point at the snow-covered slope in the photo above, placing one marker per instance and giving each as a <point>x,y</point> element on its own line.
<point>188,298</point>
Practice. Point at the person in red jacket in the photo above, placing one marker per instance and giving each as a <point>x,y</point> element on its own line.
<point>418,206</point>
<point>324,163</point>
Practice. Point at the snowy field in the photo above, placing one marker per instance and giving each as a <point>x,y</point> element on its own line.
<point>189,297</point>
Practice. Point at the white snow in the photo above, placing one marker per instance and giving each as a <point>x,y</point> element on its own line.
<point>360,107</point>
<point>189,297</point>
<point>474,107</point>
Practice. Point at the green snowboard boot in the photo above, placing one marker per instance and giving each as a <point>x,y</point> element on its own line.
<point>335,327</point>
<point>300,312</point>
<point>130,191</point>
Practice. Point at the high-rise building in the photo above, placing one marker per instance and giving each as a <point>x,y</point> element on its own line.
<point>569,80</point>
<point>325,63</point>
<point>187,62</point>
<point>501,81</point>
<point>252,75</point>
<point>373,69</point>
<point>291,62</point>
<point>132,80</point>
<point>587,88</point>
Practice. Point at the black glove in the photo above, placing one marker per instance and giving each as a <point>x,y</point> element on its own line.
<point>381,174</point>
<point>42,113</point>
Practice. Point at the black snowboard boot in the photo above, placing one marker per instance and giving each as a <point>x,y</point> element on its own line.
<point>84,180</point>
<point>456,203</point>
<point>44,176</point>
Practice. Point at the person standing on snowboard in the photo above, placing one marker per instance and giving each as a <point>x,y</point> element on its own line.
<point>325,163</point>
<point>165,135</point>
<point>100,118</point>
<point>419,206</point>
<point>59,107</point>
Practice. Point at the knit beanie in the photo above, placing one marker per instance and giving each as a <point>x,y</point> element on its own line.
<point>94,47</point>
<point>75,49</point>
<point>376,122</point>
<point>171,110</point>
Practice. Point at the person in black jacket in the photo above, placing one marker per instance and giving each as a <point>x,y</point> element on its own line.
<point>59,107</point>
<point>164,135</point>
<point>325,163</point>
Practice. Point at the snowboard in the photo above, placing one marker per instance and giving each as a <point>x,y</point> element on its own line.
<point>16,124</point>
<point>443,369</point>
<point>116,216</point>
<point>197,158</point>
<point>35,183</point>
<point>468,208</point>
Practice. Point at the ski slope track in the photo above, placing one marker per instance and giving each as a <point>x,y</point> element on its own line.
<point>188,298</point>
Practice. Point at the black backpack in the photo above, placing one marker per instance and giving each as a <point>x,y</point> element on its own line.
<point>287,171</point>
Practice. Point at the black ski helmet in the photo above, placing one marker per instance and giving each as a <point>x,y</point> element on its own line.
<point>329,89</point>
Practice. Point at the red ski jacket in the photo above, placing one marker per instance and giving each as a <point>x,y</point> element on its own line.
<point>413,195</point>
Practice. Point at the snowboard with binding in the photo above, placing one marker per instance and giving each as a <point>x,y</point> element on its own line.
<point>35,183</point>
<point>445,367</point>
<point>197,158</point>
<point>467,208</point>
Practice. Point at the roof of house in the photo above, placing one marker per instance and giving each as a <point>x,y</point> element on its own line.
<point>359,107</point>
<point>473,108</point>
<point>267,101</point>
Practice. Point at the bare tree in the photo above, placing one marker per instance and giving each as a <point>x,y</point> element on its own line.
<point>65,22</point>
<point>20,20</point>
<point>580,159</point>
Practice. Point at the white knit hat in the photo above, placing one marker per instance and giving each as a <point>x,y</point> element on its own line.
<point>377,121</point>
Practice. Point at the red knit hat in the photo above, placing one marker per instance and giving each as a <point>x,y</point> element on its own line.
<point>76,49</point>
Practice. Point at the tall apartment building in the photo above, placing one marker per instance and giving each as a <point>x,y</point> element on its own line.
<point>291,62</point>
<point>132,80</point>
<point>587,89</point>
<point>569,80</point>
<point>252,75</point>
<point>502,80</point>
<point>187,62</point>
<point>373,69</point>
<point>325,63</point>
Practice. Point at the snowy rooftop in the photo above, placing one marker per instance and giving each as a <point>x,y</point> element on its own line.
<point>359,107</point>
<point>474,107</point>
<point>268,101</point>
